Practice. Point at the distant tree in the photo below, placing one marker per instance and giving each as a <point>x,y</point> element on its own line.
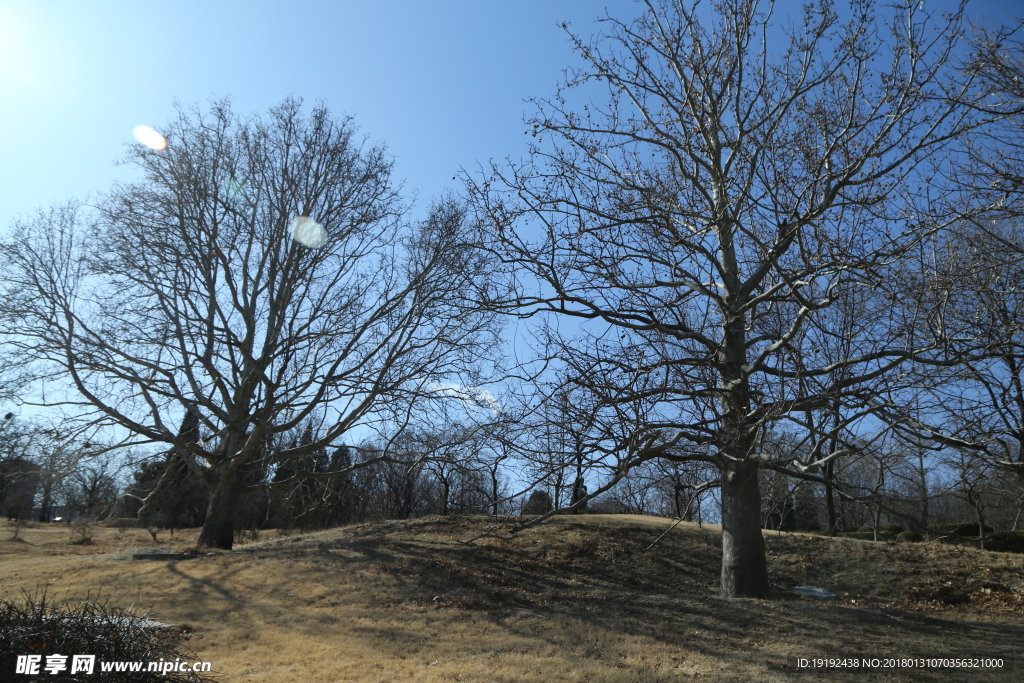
<point>92,490</point>
<point>19,480</point>
<point>167,493</point>
<point>538,503</point>
<point>261,269</point>
<point>19,476</point>
<point>681,486</point>
<point>180,503</point>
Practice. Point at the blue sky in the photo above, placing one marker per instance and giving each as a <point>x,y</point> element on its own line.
<point>441,83</point>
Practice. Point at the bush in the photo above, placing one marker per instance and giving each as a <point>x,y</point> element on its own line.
<point>82,531</point>
<point>909,537</point>
<point>1006,542</point>
<point>966,529</point>
<point>39,626</point>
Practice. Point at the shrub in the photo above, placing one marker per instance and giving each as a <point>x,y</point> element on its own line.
<point>970,529</point>
<point>39,626</point>
<point>909,537</point>
<point>17,524</point>
<point>82,531</point>
<point>967,529</point>
<point>1006,542</point>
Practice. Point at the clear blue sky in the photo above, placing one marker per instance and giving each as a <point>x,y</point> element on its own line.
<point>441,83</point>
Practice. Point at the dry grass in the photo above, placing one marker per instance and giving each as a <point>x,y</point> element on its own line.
<point>578,599</point>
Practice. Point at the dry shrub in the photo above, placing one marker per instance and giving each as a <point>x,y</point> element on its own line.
<point>82,531</point>
<point>37,625</point>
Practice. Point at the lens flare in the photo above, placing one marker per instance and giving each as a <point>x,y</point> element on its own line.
<point>308,232</point>
<point>150,138</point>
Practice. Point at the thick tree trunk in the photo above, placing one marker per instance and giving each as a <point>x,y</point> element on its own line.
<point>219,526</point>
<point>744,567</point>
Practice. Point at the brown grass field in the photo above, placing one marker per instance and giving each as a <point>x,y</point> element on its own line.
<point>576,599</point>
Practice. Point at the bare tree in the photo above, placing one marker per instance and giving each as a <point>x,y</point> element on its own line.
<point>980,402</point>
<point>262,269</point>
<point>698,204</point>
<point>91,492</point>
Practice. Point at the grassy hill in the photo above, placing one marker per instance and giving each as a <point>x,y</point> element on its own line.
<point>577,599</point>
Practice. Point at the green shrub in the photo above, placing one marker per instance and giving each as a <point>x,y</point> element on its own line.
<point>39,626</point>
<point>909,537</point>
<point>859,535</point>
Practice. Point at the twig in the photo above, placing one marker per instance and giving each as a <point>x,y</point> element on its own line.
<point>676,565</point>
<point>674,524</point>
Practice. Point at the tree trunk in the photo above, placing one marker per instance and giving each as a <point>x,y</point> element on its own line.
<point>219,525</point>
<point>494,491</point>
<point>830,502</point>
<point>744,567</point>
<point>45,506</point>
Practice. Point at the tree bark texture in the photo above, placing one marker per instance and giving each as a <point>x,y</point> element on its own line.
<point>744,567</point>
<point>219,526</point>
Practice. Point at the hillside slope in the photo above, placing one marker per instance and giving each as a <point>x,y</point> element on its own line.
<point>576,599</point>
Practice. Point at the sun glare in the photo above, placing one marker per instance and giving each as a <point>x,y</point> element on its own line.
<point>16,51</point>
<point>150,138</point>
<point>308,232</point>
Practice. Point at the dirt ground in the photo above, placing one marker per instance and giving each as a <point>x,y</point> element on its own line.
<point>581,598</point>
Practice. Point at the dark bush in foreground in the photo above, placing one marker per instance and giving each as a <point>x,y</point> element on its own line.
<point>40,626</point>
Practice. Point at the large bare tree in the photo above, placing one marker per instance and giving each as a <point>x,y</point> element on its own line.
<point>701,192</point>
<point>262,270</point>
